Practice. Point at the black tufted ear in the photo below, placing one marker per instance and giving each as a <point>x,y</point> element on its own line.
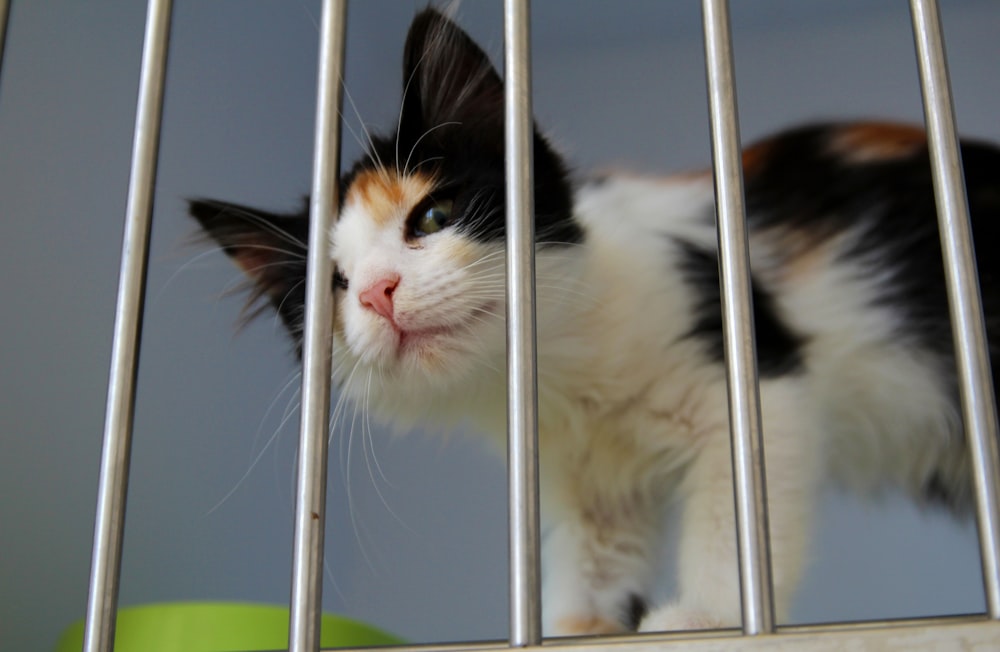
<point>270,248</point>
<point>448,79</point>
<point>453,116</point>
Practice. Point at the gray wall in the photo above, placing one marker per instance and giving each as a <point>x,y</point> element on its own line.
<point>417,539</point>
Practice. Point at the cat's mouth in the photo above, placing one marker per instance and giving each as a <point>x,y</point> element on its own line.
<point>416,339</point>
<point>409,339</point>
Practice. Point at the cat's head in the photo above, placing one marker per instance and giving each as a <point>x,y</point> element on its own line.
<point>419,242</point>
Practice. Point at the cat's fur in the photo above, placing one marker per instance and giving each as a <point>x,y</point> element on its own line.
<point>857,377</point>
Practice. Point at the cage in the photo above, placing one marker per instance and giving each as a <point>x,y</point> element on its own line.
<point>294,72</point>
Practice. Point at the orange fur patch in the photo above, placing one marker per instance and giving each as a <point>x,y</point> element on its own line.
<point>387,196</point>
<point>800,252</point>
<point>807,255</point>
<point>876,141</point>
<point>754,157</point>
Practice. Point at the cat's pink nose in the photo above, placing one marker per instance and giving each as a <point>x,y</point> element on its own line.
<point>378,296</point>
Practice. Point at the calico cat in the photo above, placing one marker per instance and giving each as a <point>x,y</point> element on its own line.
<point>857,377</point>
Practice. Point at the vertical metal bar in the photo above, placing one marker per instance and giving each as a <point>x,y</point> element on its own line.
<point>522,395</point>
<point>4,15</point>
<point>971,348</point>
<point>737,314</point>
<point>109,523</point>
<point>310,496</point>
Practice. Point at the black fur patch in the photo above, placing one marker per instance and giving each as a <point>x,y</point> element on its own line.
<point>804,183</point>
<point>270,248</point>
<point>939,493</point>
<point>779,349</point>
<point>635,610</point>
<point>936,492</point>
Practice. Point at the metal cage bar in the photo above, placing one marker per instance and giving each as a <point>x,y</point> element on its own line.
<point>310,497</point>
<point>737,317</point>
<point>522,391</point>
<point>109,523</point>
<point>971,349</point>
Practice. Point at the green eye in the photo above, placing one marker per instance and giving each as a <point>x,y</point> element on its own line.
<point>432,219</point>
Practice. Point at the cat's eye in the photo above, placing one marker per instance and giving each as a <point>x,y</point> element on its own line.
<point>430,219</point>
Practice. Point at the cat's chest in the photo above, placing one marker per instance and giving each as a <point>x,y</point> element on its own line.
<point>660,407</point>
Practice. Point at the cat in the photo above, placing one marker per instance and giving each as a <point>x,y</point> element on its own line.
<point>857,379</point>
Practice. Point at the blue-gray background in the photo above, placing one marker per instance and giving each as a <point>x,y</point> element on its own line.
<point>416,541</point>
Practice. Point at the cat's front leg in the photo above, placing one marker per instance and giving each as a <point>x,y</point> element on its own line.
<point>708,570</point>
<point>596,571</point>
<point>708,580</point>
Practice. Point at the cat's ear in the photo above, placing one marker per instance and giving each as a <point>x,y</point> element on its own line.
<point>448,79</point>
<point>269,248</point>
<point>453,113</point>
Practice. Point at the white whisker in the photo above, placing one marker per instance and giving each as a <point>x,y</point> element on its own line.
<point>406,165</point>
<point>267,445</point>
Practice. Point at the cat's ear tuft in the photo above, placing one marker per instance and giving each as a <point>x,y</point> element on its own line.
<point>269,248</point>
<point>253,238</point>
<point>447,78</point>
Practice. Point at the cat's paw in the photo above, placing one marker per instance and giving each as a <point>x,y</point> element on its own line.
<point>676,617</point>
<point>585,626</point>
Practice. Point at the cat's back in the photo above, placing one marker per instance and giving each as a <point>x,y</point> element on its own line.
<point>842,223</point>
<point>847,282</point>
<point>846,237</point>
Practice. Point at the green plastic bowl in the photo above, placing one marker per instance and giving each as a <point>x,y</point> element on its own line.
<point>219,627</point>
